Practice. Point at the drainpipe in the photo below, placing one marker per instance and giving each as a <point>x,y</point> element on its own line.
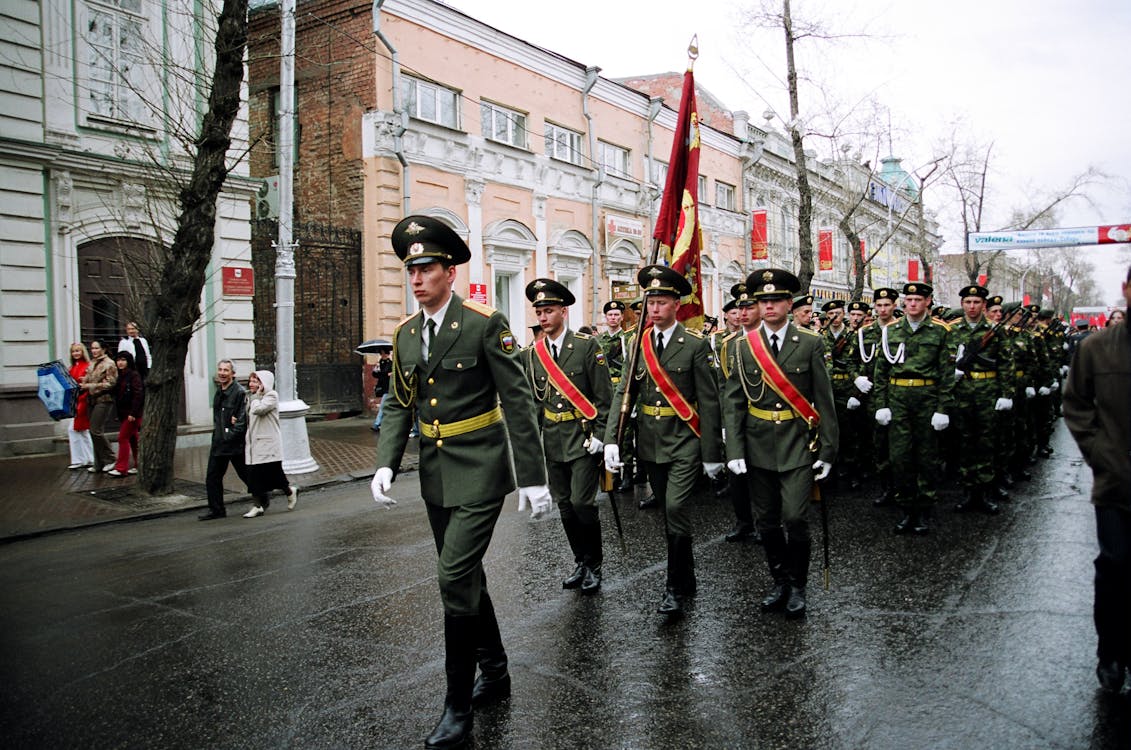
<point>655,104</point>
<point>402,126</point>
<point>590,81</point>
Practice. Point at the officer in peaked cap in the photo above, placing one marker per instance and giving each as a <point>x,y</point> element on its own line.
<point>573,392</point>
<point>677,421</point>
<point>422,239</point>
<point>768,439</point>
<point>467,463</point>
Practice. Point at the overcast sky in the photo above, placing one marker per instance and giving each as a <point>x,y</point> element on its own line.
<point>1044,80</point>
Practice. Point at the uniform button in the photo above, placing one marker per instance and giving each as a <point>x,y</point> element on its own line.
<point>431,381</point>
<point>459,365</point>
<point>432,402</point>
<point>559,405</point>
<point>440,443</point>
<point>436,422</point>
<point>777,406</point>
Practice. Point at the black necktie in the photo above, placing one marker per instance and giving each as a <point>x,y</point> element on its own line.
<point>430,330</point>
<point>659,344</point>
<point>774,344</point>
<point>554,351</point>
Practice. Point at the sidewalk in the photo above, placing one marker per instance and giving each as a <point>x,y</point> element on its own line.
<point>41,495</point>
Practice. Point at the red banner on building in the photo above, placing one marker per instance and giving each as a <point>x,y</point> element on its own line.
<point>677,225</point>
<point>982,279</point>
<point>912,270</point>
<point>863,252</point>
<point>825,250</point>
<point>759,236</point>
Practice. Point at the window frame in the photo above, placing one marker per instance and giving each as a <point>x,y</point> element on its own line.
<point>604,148</point>
<point>518,124</point>
<point>576,147</point>
<point>412,103</point>
<point>128,89</point>
<point>726,196</point>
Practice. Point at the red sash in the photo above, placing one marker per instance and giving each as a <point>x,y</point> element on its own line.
<point>562,382</point>
<point>773,376</point>
<point>683,409</point>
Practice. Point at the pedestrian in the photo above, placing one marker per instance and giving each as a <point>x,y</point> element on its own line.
<point>229,429</point>
<point>678,427</point>
<point>1117,316</point>
<point>134,343</point>
<point>129,402</point>
<point>381,372</point>
<point>914,393</point>
<point>456,361</point>
<point>781,426</point>
<point>1097,401</point>
<point>98,384</point>
<point>571,386</point>
<point>78,431</point>
<point>263,445</point>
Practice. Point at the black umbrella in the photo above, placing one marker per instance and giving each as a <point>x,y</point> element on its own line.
<point>374,346</point>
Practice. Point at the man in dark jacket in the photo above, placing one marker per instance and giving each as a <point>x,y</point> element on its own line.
<point>1097,400</point>
<point>229,425</point>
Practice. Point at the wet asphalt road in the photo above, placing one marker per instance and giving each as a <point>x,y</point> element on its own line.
<point>322,628</point>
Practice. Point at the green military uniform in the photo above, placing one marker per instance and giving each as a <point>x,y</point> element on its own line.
<point>843,363</point>
<point>868,341</point>
<point>1016,436</point>
<point>672,454</point>
<point>984,386</point>
<point>738,484</point>
<point>573,471</point>
<point>914,379</point>
<point>1049,352</point>
<point>476,420</point>
<point>774,441</point>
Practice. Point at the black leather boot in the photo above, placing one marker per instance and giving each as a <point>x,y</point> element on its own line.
<point>670,604</point>
<point>921,525</point>
<point>907,524</point>
<point>988,506</point>
<point>624,482</point>
<point>575,535</point>
<point>799,552</point>
<point>494,680</point>
<point>648,503</point>
<point>454,727</point>
<point>972,500</point>
<point>773,540</point>
<point>594,556</point>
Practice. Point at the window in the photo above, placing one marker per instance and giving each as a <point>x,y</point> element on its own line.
<point>724,196</point>
<point>503,293</point>
<point>116,78</point>
<point>563,144</point>
<point>502,124</point>
<point>660,174</point>
<point>702,188</point>
<point>430,101</point>
<point>614,159</point>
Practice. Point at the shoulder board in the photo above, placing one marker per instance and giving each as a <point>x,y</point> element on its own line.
<point>809,331</point>
<point>582,336</point>
<point>410,317</point>
<point>941,323</point>
<point>694,334</point>
<point>485,310</point>
<point>730,336</point>
<point>628,331</point>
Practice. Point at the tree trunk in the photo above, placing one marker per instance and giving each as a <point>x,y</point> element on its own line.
<point>804,192</point>
<point>854,253</point>
<point>177,302</point>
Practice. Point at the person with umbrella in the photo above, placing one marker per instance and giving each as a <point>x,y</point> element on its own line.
<point>98,385</point>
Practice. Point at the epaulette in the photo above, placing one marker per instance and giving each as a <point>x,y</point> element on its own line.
<point>808,331</point>
<point>582,335</point>
<point>410,317</point>
<point>696,334</point>
<point>730,335</point>
<point>940,322</point>
<point>485,310</point>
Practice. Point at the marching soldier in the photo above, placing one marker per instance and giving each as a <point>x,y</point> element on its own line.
<point>781,429</point>
<point>983,385</point>
<point>868,346</point>
<point>843,365</point>
<point>1019,445</point>
<point>914,393</point>
<point>678,426</point>
<point>456,363</point>
<point>738,486</point>
<point>571,385</point>
<point>1044,411</point>
<point>614,343</point>
<point>861,424</point>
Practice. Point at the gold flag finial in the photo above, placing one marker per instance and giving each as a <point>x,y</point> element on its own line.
<point>693,48</point>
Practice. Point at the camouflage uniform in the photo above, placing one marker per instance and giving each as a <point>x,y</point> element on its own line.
<point>844,365</point>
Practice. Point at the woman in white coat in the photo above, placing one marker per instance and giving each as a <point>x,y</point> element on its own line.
<point>263,447</point>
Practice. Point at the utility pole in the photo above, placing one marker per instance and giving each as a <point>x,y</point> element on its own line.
<point>292,409</point>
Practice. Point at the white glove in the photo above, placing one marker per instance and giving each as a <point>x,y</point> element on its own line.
<point>538,497</point>
<point>1044,390</point>
<point>1030,391</point>
<point>940,421</point>
<point>382,481</point>
<point>736,466</point>
<point>958,354</point>
<point>593,445</point>
<point>883,417</point>
<point>1054,386</point>
<point>822,468</point>
<point>1003,404</point>
<point>958,374</point>
<point>712,470</point>
<point>612,458</point>
<point>853,402</point>
<point>1066,346</point>
<point>1063,370</point>
<point>862,384</point>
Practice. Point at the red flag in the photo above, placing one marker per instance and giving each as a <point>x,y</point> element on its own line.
<point>677,226</point>
<point>912,270</point>
<point>825,250</point>
<point>759,248</point>
<point>982,279</point>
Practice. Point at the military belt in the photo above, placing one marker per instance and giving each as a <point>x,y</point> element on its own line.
<point>1020,373</point>
<point>912,382</point>
<point>840,376</point>
<point>657,411</point>
<point>562,416</point>
<point>983,375</point>
<point>462,427</point>
<point>616,379</point>
<point>770,416</point>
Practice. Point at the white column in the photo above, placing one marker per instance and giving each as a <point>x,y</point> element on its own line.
<point>541,262</point>
<point>473,193</point>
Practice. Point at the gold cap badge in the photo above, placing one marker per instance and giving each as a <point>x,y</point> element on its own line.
<point>413,228</point>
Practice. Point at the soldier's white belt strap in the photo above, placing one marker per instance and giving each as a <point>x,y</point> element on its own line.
<point>983,375</point>
<point>912,382</point>
<point>657,411</point>
<point>462,427</point>
<point>561,416</point>
<point>771,416</point>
